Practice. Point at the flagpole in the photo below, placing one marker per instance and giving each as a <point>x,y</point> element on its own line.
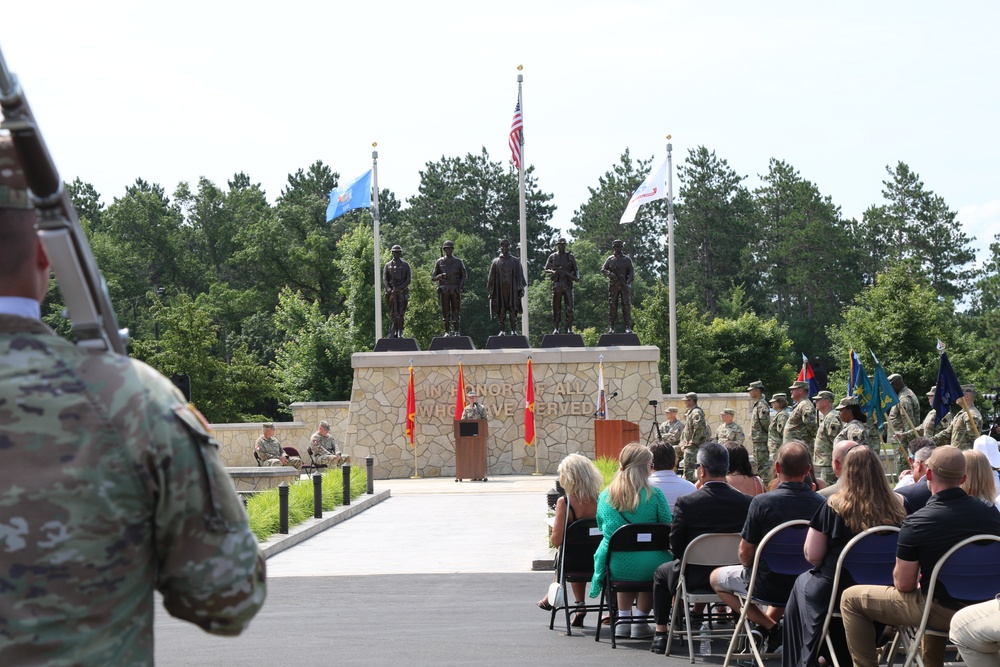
<point>523,218</point>
<point>413,438</point>
<point>378,261</point>
<point>670,268</point>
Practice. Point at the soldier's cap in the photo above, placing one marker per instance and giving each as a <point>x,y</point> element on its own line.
<point>325,424</point>
<point>756,384</point>
<point>472,392</point>
<point>672,409</point>
<point>930,392</point>
<point>847,401</point>
<point>799,384</point>
<point>969,388</point>
<point>779,397</point>
<point>617,242</point>
<point>947,462</point>
<point>988,446</point>
<point>690,396</point>
<point>561,241</point>
<point>894,377</point>
<point>828,395</point>
<point>267,425</point>
<point>448,244</point>
<point>728,411</point>
<point>13,186</point>
<point>396,248</point>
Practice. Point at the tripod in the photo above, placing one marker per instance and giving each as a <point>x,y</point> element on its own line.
<point>656,426</point>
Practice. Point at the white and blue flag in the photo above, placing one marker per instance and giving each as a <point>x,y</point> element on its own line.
<point>356,194</point>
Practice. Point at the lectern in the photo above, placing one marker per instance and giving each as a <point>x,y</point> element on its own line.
<point>610,435</point>
<point>470,449</point>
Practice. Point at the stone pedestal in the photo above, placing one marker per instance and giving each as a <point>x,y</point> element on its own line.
<point>565,389</point>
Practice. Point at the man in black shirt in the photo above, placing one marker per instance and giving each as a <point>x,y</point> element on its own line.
<point>950,516</point>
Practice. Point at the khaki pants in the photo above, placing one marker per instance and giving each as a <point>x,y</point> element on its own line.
<point>976,632</point>
<point>862,605</point>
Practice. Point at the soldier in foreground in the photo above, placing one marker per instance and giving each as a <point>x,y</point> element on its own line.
<point>127,495</point>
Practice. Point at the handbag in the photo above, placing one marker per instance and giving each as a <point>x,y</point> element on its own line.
<point>556,596</point>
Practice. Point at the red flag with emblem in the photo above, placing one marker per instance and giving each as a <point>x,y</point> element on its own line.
<point>460,393</point>
<point>411,409</point>
<point>529,408</point>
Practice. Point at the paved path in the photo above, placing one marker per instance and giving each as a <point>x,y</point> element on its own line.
<point>438,574</point>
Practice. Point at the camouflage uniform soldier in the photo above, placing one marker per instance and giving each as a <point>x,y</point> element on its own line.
<point>826,434</point>
<point>694,434</point>
<point>903,423</point>
<point>730,431</point>
<point>670,430</point>
<point>269,452</point>
<point>777,429</point>
<point>324,447</point>
<point>113,487</point>
<point>928,429</point>
<point>760,423</point>
<point>960,432</point>
<point>801,424</point>
<point>854,422</point>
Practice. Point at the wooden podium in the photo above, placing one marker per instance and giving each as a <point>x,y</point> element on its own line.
<point>470,449</point>
<point>610,435</point>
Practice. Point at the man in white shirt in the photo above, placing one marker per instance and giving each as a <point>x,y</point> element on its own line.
<point>664,476</point>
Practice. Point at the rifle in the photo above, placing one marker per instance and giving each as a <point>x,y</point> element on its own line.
<point>80,281</point>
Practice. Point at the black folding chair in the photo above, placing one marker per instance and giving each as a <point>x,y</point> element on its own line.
<point>576,564</point>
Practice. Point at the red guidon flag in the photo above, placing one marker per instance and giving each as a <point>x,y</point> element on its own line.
<point>529,408</point>
<point>411,409</point>
<point>460,393</point>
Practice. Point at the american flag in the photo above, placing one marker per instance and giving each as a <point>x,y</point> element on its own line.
<point>516,135</point>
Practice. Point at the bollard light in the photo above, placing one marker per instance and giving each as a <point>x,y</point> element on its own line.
<point>317,495</point>
<point>346,470</point>
<point>283,508</point>
<point>370,471</point>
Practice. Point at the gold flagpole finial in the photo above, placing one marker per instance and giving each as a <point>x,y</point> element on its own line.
<point>668,137</point>
<point>375,143</point>
<point>520,67</point>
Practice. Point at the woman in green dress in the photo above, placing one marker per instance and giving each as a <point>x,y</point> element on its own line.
<point>630,499</point>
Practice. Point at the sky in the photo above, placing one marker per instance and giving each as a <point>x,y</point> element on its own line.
<point>172,92</point>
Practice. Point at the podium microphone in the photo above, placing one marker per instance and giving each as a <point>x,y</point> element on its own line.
<point>594,416</point>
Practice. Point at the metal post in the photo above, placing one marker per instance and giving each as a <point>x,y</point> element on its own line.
<point>370,471</point>
<point>318,495</point>
<point>670,265</point>
<point>283,508</point>
<point>346,469</point>
<point>375,233</point>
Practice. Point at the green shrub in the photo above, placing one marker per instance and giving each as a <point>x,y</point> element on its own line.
<point>608,467</point>
<point>263,508</point>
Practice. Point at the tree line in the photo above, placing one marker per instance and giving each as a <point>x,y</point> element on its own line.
<point>263,304</point>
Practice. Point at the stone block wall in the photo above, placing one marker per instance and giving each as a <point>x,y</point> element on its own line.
<point>713,405</point>
<point>236,440</point>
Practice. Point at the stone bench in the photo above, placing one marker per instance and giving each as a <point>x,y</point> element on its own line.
<point>256,478</point>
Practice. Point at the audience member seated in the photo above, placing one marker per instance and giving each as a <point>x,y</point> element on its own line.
<point>740,475</point>
<point>324,447</point>
<point>582,482</point>
<point>975,630</point>
<point>715,508</point>
<point>840,450</point>
<point>630,499</point>
<point>863,501</point>
<point>950,516</point>
<point>988,446</point>
<point>916,495</point>
<point>664,476</point>
<point>793,499</point>
<point>269,452</point>
<point>907,477</point>
<point>979,477</point>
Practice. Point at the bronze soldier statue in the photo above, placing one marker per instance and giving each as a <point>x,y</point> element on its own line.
<point>396,282</point>
<point>618,269</point>
<point>562,269</point>
<point>505,286</point>
<point>450,275</point>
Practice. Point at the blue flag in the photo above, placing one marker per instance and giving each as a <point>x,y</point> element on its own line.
<point>356,194</point>
<point>885,395</point>
<point>948,389</point>
<point>860,386</point>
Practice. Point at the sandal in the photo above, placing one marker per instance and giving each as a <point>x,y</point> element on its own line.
<point>544,605</point>
<point>578,617</point>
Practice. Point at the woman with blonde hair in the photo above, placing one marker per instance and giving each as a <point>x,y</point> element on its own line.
<point>630,499</point>
<point>979,477</point>
<point>582,482</point>
<point>864,500</point>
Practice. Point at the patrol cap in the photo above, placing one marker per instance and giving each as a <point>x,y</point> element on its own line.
<point>799,385</point>
<point>847,401</point>
<point>672,409</point>
<point>13,186</point>
<point>728,411</point>
<point>448,244</point>
<point>947,462</point>
<point>472,392</point>
<point>690,396</point>
<point>779,397</point>
<point>894,377</point>
<point>325,424</point>
<point>396,248</point>
<point>969,389</point>
<point>267,425</point>
<point>756,384</point>
<point>828,395</point>
<point>930,392</point>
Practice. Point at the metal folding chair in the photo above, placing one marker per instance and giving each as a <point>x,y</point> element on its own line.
<point>782,550</point>
<point>576,564</point>
<point>632,537</point>
<point>710,550</point>
<point>969,571</point>
<point>868,558</point>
